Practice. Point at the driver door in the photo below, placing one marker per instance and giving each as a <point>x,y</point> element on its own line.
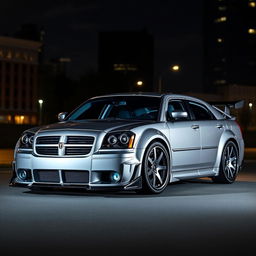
<point>184,136</point>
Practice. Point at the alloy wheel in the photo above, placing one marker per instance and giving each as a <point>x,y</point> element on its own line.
<point>157,167</point>
<point>230,159</point>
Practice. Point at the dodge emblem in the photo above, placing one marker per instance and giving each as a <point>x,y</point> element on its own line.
<point>61,145</point>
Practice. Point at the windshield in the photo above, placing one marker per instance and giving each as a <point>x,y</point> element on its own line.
<point>120,107</point>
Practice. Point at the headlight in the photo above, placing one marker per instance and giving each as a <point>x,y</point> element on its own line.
<point>26,140</point>
<point>116,140</point>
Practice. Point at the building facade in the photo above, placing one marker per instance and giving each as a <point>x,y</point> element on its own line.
<point>18,81</point>
<point>127,58</point>
<point>230,43</point>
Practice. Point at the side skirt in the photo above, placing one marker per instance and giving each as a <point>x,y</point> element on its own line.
<point>192,174</point>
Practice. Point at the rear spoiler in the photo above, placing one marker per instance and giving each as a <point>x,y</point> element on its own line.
<point>227,106</point>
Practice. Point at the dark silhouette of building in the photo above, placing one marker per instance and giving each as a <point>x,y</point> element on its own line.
<point>230,43</point>
<point>126,58</point>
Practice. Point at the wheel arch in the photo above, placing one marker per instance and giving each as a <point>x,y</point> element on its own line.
<point>225,138</point>
<point>147,138</point>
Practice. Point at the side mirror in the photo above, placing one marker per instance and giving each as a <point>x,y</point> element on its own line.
<point>178,115</point>
<point>62,116</point>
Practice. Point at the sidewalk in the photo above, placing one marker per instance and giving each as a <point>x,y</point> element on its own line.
<point>6,156</point>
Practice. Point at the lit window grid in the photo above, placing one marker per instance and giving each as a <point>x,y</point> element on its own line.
<point>18,93</point>
<point>125,67</point>
<point>220,19</point>
<point>18,119</point>
<point>18,55</point>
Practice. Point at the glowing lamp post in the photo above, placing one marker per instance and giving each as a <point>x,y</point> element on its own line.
<point>40,101</point>
<point>139,83</point>
<point>174,68</point>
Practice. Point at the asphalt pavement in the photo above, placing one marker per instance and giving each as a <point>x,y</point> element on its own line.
<point>194,217</point>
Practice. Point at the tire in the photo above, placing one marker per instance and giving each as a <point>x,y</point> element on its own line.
<point>229,164</point>
<point>155,169</point>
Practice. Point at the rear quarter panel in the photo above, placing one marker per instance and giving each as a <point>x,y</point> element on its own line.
<point>232,131</point>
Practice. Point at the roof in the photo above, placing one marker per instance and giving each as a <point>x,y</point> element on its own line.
<point>152,94</point>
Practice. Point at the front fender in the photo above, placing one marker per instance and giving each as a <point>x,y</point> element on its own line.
<point>146,138</point>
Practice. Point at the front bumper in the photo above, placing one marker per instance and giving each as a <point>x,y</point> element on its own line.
<point>97,165</point>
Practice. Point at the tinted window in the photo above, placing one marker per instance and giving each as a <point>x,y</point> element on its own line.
<point>200,112</point>
<point>120,107</point>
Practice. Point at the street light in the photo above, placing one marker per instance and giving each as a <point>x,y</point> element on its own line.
<point>139,83</point>
<point>40,101</point>
<point>250,105</point>
<point>174,68</point>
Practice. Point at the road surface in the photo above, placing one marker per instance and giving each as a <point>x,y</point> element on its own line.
<point>190,218</point>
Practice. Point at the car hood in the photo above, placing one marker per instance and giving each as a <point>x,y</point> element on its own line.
<point>91,125</point>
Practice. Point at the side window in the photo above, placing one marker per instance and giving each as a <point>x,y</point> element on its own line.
<point>176,106</point>
<point>200,112</point>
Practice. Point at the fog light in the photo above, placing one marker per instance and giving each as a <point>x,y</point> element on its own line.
<point>23,175</point>
<point>115,176</point>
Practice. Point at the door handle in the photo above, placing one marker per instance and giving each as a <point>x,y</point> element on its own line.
<point>195,126</point>
<point>220,126</point>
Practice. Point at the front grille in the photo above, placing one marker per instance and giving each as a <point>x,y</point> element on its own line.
<point>51,151</point>
<point>64,145</point>
<point>48,140</point>
<point>75,176</point>
<point>46,176</point>
<point>77,150</point>
<point>80,140</point>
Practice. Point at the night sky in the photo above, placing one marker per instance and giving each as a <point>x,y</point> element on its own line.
<point>72,27</point>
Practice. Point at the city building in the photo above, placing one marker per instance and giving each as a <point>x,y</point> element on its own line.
<point>127,58</point>
<point>230,43</point>
<point>32,32</point>
<point>18,81</point>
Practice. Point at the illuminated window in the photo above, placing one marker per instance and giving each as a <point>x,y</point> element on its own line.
<point>25,56</point>
<point>221,19</point>
<point>64,60</point>
<point>220,40</point>
<point>21,119</point>
<point>252,31</point>
<point>9,55</point>
<point>124,67</point>
<point>252,4</point>
<point>222,8</point>
<point>6,119</point>
<point>220,81</point>
<point>33,120</point>
<point>17,55</point>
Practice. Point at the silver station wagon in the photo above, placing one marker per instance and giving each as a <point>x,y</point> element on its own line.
<point>138,142</point>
